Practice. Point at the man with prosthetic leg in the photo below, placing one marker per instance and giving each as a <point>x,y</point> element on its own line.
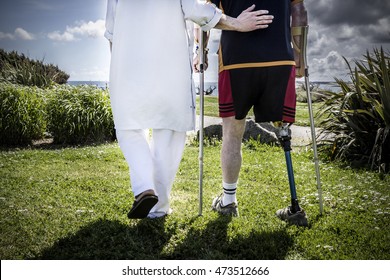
<point>258,69</point>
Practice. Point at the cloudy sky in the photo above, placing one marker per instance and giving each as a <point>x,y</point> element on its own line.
<point>70,35</point>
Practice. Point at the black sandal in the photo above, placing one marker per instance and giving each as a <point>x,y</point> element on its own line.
<point>141,207</point>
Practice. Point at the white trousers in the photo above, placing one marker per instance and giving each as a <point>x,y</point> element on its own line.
<point>153,161</point>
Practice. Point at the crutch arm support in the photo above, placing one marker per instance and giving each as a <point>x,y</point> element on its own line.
<point>299,29</point>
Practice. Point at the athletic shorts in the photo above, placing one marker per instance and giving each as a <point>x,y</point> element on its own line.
<point>269,90</point>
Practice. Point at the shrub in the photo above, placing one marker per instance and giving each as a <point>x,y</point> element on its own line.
<point>80,115</point>
<point>359,115</point>
<point>22,114</point>
<point>19,69</point>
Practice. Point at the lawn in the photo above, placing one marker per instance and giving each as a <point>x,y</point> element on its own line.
<point>71,203</point>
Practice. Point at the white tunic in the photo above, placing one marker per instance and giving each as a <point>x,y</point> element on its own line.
<point>151,82</point>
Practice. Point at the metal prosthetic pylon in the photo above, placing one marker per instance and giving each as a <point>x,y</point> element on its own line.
<point>293,214</point>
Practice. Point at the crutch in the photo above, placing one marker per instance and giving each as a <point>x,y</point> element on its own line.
<point>305,30</point>
<point>201,117</point>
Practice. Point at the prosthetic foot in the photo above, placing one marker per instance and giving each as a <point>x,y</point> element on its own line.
<point>292,214</point>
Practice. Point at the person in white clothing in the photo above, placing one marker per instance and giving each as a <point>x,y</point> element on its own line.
<point>151,87</point>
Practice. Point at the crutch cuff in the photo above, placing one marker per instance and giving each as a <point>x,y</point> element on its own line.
<point>299,42</point>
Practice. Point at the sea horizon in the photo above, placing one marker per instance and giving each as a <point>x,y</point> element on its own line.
<point>212,87</point>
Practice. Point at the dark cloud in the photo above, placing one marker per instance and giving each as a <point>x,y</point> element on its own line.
<point>344,29</point>
<point>350,12</point>
<point>351,18</point>
<point>367,18</point>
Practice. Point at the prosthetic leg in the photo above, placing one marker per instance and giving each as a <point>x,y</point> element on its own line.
<point>293,214</point>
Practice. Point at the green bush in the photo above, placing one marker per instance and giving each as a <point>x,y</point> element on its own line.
<point>78,115</point>
<point>358,117</point>
<point>19,69</point>
<point>22,114</point>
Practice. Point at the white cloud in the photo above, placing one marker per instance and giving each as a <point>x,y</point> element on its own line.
<point>332,65</point>
<point>23,34</point>
<point>57,36</point>
<point>6,36</point>
<point>346,32</point>
<point>89,29</point>
<point>19,33</point>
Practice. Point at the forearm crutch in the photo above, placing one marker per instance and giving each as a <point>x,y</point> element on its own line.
<point>302,31</point>
<point>201,117</point>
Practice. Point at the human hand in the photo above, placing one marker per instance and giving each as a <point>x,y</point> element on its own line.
<point>250,20</point>
<point>196,63</point>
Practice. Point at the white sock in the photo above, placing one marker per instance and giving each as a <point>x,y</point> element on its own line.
<point>229,193</point>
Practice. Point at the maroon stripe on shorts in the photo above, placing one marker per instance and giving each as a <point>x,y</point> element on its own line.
<point>225,97</point>
<point>290,100</point>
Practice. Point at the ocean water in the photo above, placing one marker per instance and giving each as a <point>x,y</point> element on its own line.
<point>100,84</point>
<point>211,88</point>
<point>328,86</point>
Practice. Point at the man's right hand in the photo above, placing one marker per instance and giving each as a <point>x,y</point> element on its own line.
<point>250,20</point>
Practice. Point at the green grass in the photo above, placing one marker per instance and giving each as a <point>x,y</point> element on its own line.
<point>71,203</point>
<point>210,106</point>
<point>302,113</point>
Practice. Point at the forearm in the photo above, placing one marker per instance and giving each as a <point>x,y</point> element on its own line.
<point>206,35</point>
<point>298,14</point>
<point>298,21</point>
<point>228,23</point>
<point>196,60</point>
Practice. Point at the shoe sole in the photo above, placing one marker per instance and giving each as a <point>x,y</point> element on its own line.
<point>141,208</point>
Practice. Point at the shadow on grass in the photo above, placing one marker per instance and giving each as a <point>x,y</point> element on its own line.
<point>111,240</point>
<point>160,239</point>
<point>214,243</point>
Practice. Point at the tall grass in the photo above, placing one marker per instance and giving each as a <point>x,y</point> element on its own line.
<point>69,114</point>
<point>80,115</point>
<point>18,69</point>
<point>22,114</point>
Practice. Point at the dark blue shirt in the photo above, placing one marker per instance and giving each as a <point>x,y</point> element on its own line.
<point>265,47</point>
